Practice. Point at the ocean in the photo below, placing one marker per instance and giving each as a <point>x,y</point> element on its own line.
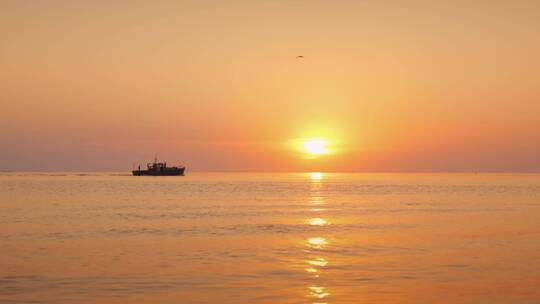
<point>269,238</point>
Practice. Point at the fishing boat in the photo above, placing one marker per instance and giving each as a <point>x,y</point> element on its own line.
<point>159,169</point>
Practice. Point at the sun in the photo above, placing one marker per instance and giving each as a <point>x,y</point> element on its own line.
<point>315,146</point>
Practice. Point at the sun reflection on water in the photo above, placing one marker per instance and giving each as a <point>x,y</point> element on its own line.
<point>316,176</point>
<point>317,221</point>
<point>318,292</point>
<point>316,200</point>
<point>320,261</point>
<point>317,242</point>
<point>315,264</point>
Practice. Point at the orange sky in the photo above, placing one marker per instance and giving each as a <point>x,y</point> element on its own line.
<point>216,85</point>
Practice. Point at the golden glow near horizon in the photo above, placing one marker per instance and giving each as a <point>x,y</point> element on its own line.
<point>118,80</point>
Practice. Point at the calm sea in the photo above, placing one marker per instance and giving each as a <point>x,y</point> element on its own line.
<point>269,238</point>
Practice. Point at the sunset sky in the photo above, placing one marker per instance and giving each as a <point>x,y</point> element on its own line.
<point>217,85</point>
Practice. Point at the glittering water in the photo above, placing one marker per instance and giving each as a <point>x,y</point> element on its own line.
<point>269,238</point>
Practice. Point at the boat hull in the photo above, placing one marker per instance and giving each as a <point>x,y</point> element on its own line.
<point>167,172</point>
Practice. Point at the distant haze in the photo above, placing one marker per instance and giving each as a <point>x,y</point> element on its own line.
<point>218,85</point>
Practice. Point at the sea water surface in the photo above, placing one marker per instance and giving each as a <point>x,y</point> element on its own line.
<point>269,238</point>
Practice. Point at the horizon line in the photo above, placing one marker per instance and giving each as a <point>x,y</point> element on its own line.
<point>270,171</point>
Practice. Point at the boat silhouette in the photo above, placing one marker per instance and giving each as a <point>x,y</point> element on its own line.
<point>159,169</point>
